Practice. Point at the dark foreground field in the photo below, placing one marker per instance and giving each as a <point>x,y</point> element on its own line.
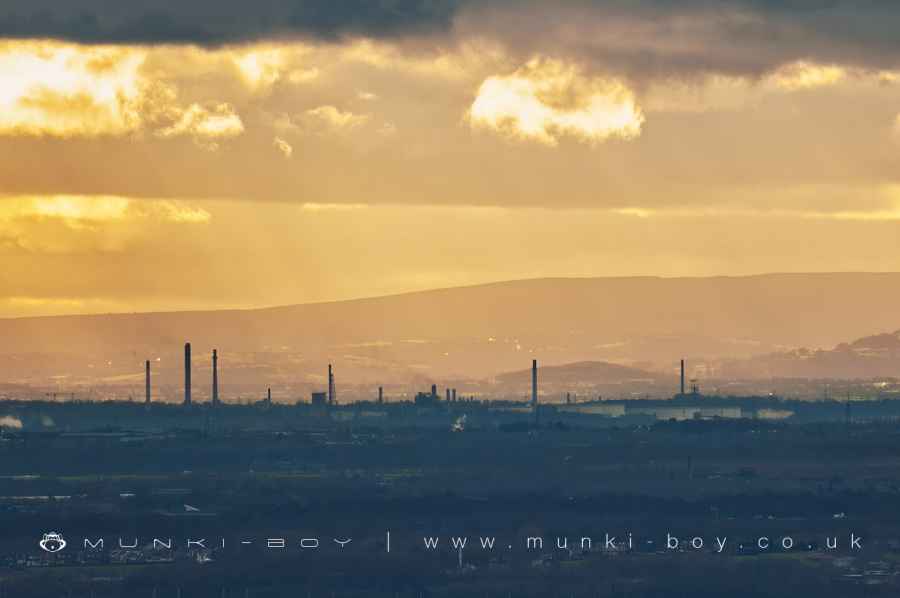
<point>755,508</point>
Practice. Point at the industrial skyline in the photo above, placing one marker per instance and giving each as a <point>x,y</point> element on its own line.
<point>329,396</point>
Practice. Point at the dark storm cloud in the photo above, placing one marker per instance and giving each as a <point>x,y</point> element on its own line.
<point>653,38</point>
<point>636,37</point>
<point>210,22</point>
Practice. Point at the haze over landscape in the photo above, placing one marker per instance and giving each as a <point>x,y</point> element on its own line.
<point>741,327</point>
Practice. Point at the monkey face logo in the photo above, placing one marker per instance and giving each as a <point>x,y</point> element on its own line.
<point>52,542</point>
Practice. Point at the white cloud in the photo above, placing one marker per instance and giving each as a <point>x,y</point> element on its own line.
<point>66,90</point>
<point>78,211</point>
<point>283,146</point>
<point>263,66</point>
<point>303,75</point>
<point>260,68</point>
<point>724,92</point>
<point>548,99</point>
<point>333,207</point>
<point>84,224</point>
<point>334,117</point>
<point>206,124</point>
<point>806,75</point>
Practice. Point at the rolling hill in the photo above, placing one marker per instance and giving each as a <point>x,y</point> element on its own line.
<point>471,332</point>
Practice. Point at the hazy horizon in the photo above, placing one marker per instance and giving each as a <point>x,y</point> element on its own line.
<point>413,291</point>
<point>726,326</point>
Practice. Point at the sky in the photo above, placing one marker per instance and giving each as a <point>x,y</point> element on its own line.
<point>207,154</point>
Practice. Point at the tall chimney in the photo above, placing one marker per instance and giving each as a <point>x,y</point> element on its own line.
<point>380,394</point>
<point>330,385</point>
<point>269,395</point>
<point>453,394</point>
<point>434,391</point>
<point>534,398</point>
<point>448,395</point>
<point>147,382</point>
<point>187,373</point>
<point>682,376</point>
<point>215,388</point>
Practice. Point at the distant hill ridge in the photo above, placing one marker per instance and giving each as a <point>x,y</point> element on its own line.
<point>476,331</point>
<point>871,356</point>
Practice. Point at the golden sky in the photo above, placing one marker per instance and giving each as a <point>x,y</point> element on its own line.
<point>357,155</point>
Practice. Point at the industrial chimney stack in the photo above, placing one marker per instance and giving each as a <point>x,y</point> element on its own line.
<point>187,374</point>
<point>534,394</point>
<point>682,377</point>
<point>215,381</point>
<point>330,385</point>
<point>147,382</point>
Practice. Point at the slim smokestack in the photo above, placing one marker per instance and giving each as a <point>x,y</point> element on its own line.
<point>147,382</point>
<point>269,396</point>
<point>330,385</point>
<point>215,389</point>
<point>453,394</point>
<point>434,391</point>
<point>380,394</point>
<point>534,400</point>
<point>682,376</point>
<point>187,373</point>
<point>448,395</point>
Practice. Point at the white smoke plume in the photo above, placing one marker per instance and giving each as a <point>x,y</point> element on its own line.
<point>459,425</point>
<point>8,421</point>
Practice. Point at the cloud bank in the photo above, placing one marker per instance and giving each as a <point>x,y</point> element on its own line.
<point>641,37</point>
